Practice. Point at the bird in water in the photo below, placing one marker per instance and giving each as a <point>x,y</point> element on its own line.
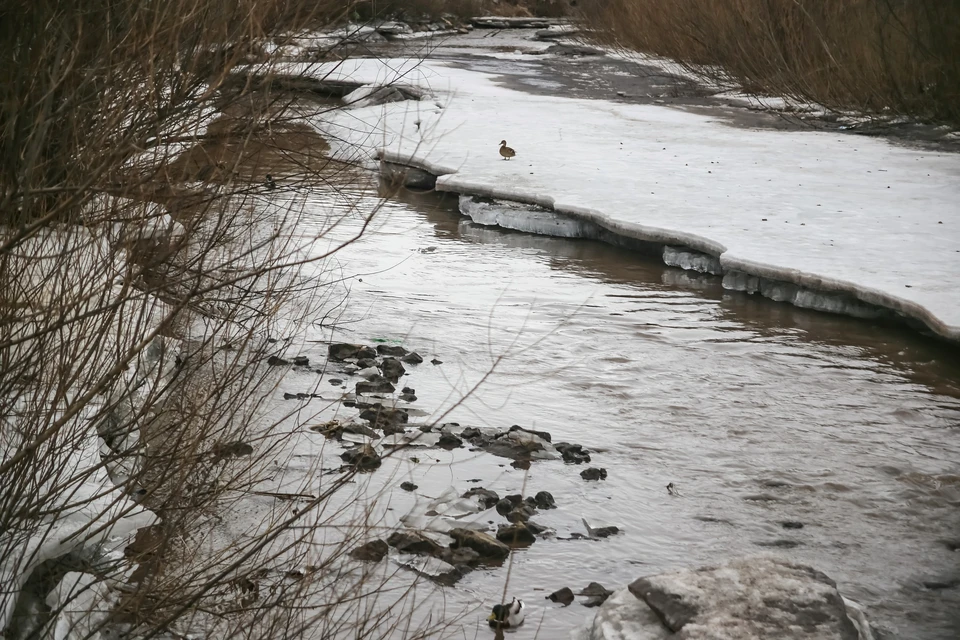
<point>507,616</point>
<point>506,151</point>
<point>270,183</point>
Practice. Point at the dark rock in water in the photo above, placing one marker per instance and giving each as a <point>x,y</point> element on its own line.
<point>790,524</point>
<point>276,361</point>
<point>373,551</point>
<point>540,434</point>
<point>535,528</point>
<point>408,397</point>
<point>301,361</point>
<point>408,390</point>
<point>486,497</point>
<point>408,486</point>
<point>388,350</point>
<point>412,358</point>
<point>375,387</point>
<point>504,506</point>
<point>435,362</point>
<point>471,433</point>
<point>341,351</point>
<point>224,450</point>
<point>414,542</point>
<point>572,453</point>
<point>335,381</point>
<point>515,535</point>
<point>605,532</point>
<point>780,543</point>
<point>381,417</point>
<point>366,363</point>
<point>296,396</point>
<point>940,584</point>
<point>489,548</point>
<point>756,597</point>
<point>596,594</point>
<point>460,557</point>
<point>594,473</point>
<point>449,441</point>
<point>392,369</point>
<point>522,464</point>
<point>521,514</point>
<point>563,596</point>
<point>360,430</point>
<point>544,500</point>
<point>367,353</point>
<point>363,458</point>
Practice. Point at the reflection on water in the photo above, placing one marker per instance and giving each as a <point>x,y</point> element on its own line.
<point>760,412</point>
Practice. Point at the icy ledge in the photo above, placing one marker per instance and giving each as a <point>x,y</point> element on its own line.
<point>748,599</point>
<point>487,206</point>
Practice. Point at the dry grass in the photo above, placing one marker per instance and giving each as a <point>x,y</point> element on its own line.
<point>887,57</point>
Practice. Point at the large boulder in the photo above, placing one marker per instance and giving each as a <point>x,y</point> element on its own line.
<point>749,599</point>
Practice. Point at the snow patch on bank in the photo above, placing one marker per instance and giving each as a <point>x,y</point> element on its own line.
<point>822,211</point>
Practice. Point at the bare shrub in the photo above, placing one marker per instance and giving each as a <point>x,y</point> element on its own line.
<point>869,56</point>
<point>149,271</point>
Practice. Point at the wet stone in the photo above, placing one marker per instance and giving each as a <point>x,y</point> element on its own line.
<point>363,458</point>
<point>366,363</point>
<point>594,473</point>
<point>489,548</point>
<point>449,441</point>
<point>392,369</point>
<point>341,351</point>
<point>223,450</point>
<point>540,434</point>
<point>435,362</point>
<point>301,361</point>
<point>373,551</point>
<point>471,433</point>
<point>606,532</point>
<point>516,535</point>
<point>414,542</point>
<point>544,500</point>
<point>506,505</point>
<point>412,358</point>
<point>366,353</point>
<point>521,514</point>
<point>390,350</point>
<point>791,524</point>
<point>375,387</point>
<point>485,497</point>
<point>408,486</point>
<point>563,596</point>
<point>277,361</point>
<point>335,381</point>
<point>572,453</point>
<point>408,397</point>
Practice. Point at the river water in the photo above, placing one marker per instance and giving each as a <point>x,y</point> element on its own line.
<point>760,413</point>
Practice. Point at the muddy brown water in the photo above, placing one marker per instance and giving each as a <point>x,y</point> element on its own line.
<point>760,413</point>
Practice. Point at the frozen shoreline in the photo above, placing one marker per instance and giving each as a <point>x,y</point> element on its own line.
<point>827,221</point>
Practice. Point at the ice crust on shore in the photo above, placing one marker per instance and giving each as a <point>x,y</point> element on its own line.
<point>822,211</point>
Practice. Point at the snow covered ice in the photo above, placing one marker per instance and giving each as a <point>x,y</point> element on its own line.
<point>827,212</point>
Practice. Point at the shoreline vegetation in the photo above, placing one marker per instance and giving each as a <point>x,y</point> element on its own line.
<point>150,285</point>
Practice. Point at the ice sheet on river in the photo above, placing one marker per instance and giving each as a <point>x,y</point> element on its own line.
<point>825,211</point>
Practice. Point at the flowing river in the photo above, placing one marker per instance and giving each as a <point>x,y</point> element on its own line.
<point>759,413</point>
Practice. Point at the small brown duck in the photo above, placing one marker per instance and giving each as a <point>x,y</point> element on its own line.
<point>506,151</point>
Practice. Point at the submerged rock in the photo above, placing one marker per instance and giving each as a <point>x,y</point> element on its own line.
<point>390,350</point>
<point>563,596</point>
<point>375,387</point>
<point>594,473</point>
<point>486,497</point>
<point>516,535</point>
<point>489,548</point>
<point>412,358</point>
<point>373,551</point>
<point>414,542</point>
<point>364,458</point>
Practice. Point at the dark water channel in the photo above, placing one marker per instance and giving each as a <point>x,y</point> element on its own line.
<point>759,412</point>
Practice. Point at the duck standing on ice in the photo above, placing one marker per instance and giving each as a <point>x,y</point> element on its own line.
<point>506,151</point>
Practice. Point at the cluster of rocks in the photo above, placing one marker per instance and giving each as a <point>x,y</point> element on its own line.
<point>595,593</point>
<point>517,443</point>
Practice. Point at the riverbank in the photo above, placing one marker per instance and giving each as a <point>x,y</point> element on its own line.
<point>801,216</point>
